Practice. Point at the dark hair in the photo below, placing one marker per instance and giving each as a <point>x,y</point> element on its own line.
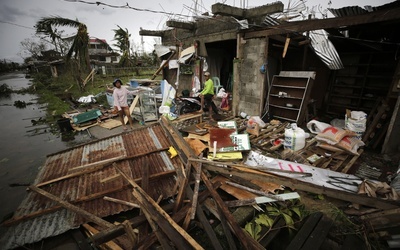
<point>117,80</point>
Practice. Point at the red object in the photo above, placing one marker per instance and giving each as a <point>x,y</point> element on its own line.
<point>222,137</point>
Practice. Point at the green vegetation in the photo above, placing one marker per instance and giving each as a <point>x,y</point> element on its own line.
<point>292,212</point>
<point>61,93</point>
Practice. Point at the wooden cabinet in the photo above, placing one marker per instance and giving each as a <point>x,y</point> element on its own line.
<point>289,95</point>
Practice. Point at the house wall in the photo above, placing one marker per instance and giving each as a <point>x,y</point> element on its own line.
<point>249,80</point>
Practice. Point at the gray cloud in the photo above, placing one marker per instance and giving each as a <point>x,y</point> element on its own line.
<point>10,14</point>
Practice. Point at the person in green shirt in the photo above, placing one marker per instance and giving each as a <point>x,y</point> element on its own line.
<point>208,94</point>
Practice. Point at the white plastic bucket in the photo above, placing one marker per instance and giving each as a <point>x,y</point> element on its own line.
<point>295,138</point>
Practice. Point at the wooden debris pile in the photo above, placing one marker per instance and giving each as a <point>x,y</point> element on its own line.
<point>209,194</point>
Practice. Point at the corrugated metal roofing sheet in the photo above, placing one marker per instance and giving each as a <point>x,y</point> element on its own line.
<point>146,143</point>
<point>348,11</point>
<point>325,50</point>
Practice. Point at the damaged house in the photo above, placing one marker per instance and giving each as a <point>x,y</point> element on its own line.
<point>354,58</point>
<point>177,197</point>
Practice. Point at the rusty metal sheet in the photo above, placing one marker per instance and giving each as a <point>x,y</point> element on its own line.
<point>145,143</point>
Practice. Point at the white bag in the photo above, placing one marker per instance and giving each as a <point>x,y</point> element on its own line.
<point>316,127</point>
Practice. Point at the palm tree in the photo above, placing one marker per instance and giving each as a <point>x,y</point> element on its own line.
<point>122,37</point>
<point>80,45</point>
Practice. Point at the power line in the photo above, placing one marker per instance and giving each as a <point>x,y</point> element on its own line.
<point>127,7</point>
<point>15,24</point>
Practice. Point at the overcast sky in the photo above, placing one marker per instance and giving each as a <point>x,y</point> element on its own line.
<point>17,17</point>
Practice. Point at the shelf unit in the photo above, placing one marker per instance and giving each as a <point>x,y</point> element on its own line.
<point>365,78</point>
<point>147,110</point>
<point>289,95</point>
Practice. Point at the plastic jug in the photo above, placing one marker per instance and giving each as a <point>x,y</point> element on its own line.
<point>295,138</point>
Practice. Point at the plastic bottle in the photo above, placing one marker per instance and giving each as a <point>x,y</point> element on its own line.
<point>295,138</point>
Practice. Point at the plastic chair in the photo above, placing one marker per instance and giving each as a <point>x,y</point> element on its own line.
<point>217,84</point>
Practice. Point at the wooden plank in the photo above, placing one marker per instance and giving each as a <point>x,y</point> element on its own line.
<point>182,187</point>
<point>196,190</point>
<point>96,164</point>
<point>316,24</point>
<point>317,237</point>
<point>179,216</point>
<point>110,123</point>
<point>261,200</point>
<point>186,221</point>
<point>159,234</point>
<point>118,230</point>
<point>383,219</point>
<point>71,207</point>
<point>205,137</point>
<point>225,227</point>
<point>126,203</point>
<point>132,236</point>
<point>206,224</point>
<point>245,239</point>
<point>97,167</point>
<point>132,107</point>
<point>251,174</point>
<point>92,231</point>
<point>175,233</point>
<point>110,179</point>
<point>271,233</point>
<point>176,138</point>
<point>304,232</point>
<point>352,161</point>
<point>274,197</point>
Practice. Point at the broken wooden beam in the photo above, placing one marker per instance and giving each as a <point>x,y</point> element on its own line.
<point>132,235</point>
<point>182,187</point>
<point>176,234</point>
<point>180,215</point>
<point>196,189</point>
<point>90,217</point>
<point>92,231</point>
<point>206,224</point>
<point>126,203</point>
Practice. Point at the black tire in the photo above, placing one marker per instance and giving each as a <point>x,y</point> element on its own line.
<point>185,108</point>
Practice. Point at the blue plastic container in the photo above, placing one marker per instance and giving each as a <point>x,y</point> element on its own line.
<point>134,84</point>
